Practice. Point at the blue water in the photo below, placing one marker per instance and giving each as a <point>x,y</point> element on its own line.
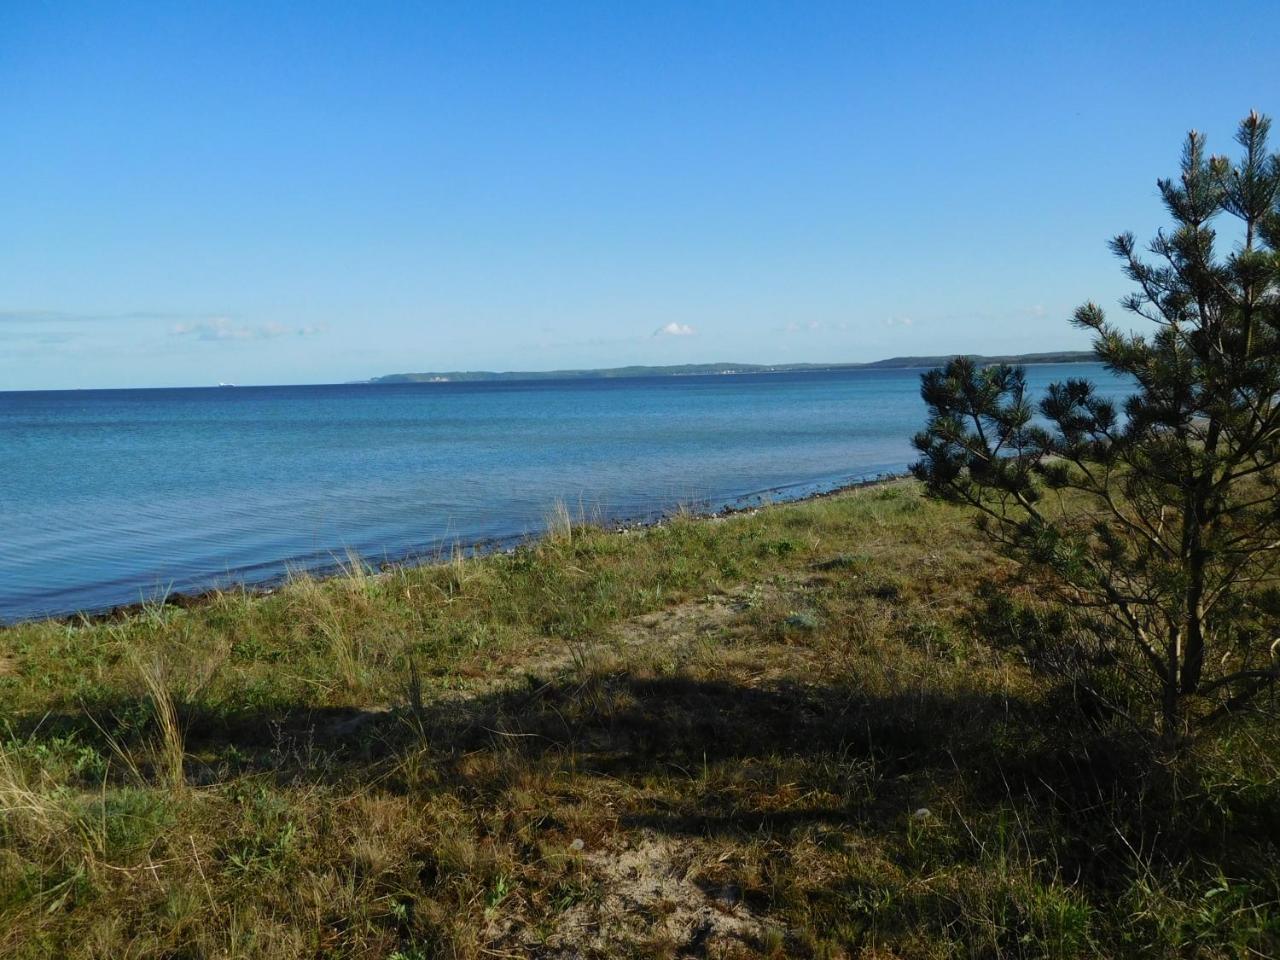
<point>115,496</point>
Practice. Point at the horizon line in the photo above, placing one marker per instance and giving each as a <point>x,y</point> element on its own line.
<point>603,373</point>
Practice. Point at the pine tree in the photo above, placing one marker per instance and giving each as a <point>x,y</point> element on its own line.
<point>1160,523</point>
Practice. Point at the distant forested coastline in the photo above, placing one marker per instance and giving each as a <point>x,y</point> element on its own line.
<point>705,369</point>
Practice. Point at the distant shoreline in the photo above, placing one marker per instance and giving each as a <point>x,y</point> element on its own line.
<point>608,373</point>
<point>726,369</point>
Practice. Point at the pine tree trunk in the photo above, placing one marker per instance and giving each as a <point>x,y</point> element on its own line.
<point>1170,734</point>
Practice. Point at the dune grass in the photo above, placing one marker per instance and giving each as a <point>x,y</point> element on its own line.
<point>798,732</point>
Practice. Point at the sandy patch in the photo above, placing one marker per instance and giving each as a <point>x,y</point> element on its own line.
<point>650,898</point>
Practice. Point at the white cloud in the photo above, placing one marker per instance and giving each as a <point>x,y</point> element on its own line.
<point>674,329</point>
<point>899,322</point>
<point>218,328</point>
<point>224,328</point>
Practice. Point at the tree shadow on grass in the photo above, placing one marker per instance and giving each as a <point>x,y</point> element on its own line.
<point>690,759</point>
<point>637,728</point>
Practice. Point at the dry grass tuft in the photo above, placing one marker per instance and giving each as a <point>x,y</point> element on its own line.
<point>31,812</point>
<point>168,749</point>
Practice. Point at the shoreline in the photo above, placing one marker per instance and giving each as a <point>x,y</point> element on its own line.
<point>538,376</point>
<point>736,506</point>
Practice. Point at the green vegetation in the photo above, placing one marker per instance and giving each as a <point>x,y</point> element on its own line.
<point>1170,537</point>
<point>703,369</point>
<point>827,729</point>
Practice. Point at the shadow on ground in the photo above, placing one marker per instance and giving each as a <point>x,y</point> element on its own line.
<point>633,727</point>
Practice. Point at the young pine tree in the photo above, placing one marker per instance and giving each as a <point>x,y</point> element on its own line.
<point>1162,523</point>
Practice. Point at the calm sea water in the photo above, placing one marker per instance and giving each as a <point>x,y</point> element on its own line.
<point>111,497</point>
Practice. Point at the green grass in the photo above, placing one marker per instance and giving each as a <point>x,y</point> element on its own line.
<point>808,731</point>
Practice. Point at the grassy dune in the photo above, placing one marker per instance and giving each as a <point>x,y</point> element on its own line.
<point>799,732</point>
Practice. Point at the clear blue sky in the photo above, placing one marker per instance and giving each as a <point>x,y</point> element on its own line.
<point>315,192</point>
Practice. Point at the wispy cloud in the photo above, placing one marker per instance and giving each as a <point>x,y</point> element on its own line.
<point>33,317</point>
<point>813,326</point>
<point>674,329</point>
<point>224,328</point>
<point>46,338</point>
<point>899,322</point>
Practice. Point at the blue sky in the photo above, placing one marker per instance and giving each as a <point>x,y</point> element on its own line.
<point>316,192</point>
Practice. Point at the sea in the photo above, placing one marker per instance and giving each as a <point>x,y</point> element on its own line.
<point>114,497</point>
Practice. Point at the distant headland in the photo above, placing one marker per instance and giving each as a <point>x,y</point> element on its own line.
<point>727,369</point>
